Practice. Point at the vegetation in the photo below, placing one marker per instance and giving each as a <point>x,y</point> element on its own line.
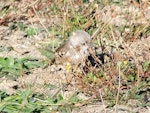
<point>121,37</point>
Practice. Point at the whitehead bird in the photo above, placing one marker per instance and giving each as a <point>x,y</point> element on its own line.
<point>75,49</point>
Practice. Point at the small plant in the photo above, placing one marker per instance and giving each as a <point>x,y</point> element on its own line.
<point>90,78</point>
<point>27,102</point>
<point>4,10</point>
<point>30,31</point>
<point>146,65</point>
<point>12,67</point>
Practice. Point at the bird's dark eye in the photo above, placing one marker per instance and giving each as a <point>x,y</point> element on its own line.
<point>84,43</point>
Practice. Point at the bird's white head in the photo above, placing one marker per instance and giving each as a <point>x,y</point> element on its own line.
<point>79,37</point>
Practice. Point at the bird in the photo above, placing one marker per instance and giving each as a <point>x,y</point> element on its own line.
<point>75,50</point>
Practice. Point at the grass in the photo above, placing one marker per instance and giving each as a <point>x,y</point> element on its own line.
<point>13,68</point>
<point>118,80</point>
<point>27,102</point>
<point>28,30</point>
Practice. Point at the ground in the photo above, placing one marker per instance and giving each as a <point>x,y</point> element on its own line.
<point>31,31</point>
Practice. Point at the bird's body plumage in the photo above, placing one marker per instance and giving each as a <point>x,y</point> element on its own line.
<point>75,49</point>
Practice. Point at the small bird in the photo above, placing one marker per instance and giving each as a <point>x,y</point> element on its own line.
<point>75,49</point>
